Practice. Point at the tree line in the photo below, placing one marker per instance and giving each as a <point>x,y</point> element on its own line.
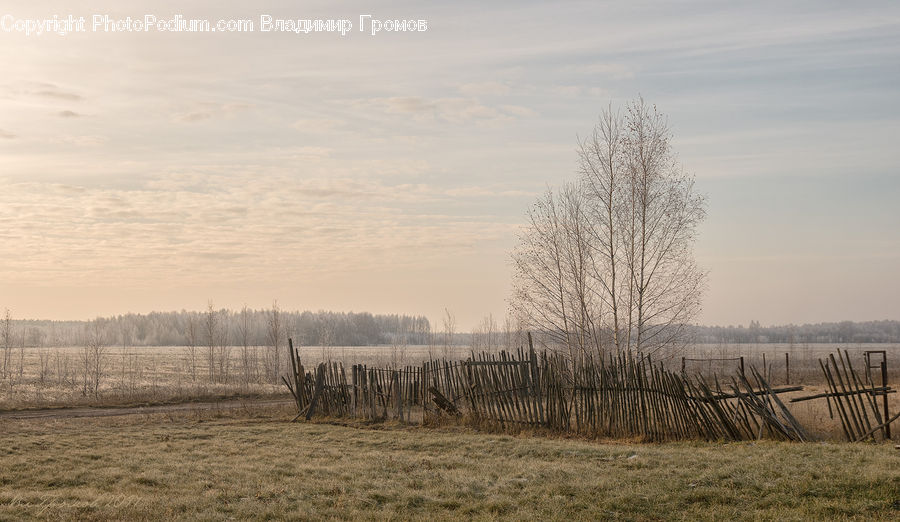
<point>252,327</point>
<point>835,332</point>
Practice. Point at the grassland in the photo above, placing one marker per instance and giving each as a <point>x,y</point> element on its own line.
<point>54,377</point>
<point>256,465</point>
<point>51,377</point>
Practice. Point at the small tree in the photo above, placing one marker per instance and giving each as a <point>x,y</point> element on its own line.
<point>224,348</point>
<point>449,321</point>
<point>244,328</point>
<point>275,333</point>
<point>93,358</point>
<point>484,336</point>
<point>192,345</point>
<point>211,328</point>
<point>6,343</point>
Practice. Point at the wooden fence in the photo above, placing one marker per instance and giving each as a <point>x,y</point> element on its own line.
<point>855,399</point>
<point>616,397</point>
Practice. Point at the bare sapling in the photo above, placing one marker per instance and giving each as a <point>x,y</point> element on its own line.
<point>93,359</point>
<point>224,350</point>
<point>192,335</point>
<point>449,321</point>
<point>44,366</point>
<point>211,327</point>
<point>6,343</point>
<point>244,329</point>
<point>275,333</point>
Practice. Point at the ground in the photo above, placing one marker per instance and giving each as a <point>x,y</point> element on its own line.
<point>253,463</point>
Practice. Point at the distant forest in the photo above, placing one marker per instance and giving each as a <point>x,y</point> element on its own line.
<point>250,327</point>
<point>842,332</point>
<point>324,328</point>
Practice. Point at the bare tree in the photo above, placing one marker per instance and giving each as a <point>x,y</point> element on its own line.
<point>6,338</point>
<point>62,368</point>
<point>449,331</point>
<point>663,217</point>
<point>327,335</point>
<point>610,257</point>
<point>275,333</point>
<point>541,295</point>
<point>93,358</point>
<point>484,335</point>
<point>513,336</point>
<point>244,330</point>
<point>601,168</point>
<point>224,347</point>
<point>192,345</point>
<point>211,328</point>
<point>44,365</point>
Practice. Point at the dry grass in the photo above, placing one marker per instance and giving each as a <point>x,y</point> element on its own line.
<point>255,465</point>
<point>53,377</point>
<point>804,360</point>
<point>157,375</point>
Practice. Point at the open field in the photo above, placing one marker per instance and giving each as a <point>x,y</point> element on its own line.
<point>54,377</point>
<point>803,357</point>
<point>253,464</point>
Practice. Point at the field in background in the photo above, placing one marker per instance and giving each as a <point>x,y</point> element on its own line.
<point>803,357</point>
<point>80,376</point>
<point>259,466</point>
<point>52,377</point>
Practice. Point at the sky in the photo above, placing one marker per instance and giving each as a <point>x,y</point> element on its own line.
<point>391,173</point>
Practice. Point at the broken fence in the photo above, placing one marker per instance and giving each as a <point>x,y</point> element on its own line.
<point>609,397</point>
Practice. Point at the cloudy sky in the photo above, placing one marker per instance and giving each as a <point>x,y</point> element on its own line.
<point>390,173</point>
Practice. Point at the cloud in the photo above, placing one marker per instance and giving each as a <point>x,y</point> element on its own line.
<point>207,110</point>
<point>82,141</point>
<point>616,71</point>
<point>410,104</point>
<point>68,114</point>
<point>4,135</point>
<point>452,109</point>
<point>44,90</point>
<point>306,153</point>
<point>485,89</point>
<point>68,96</point>
<point>488,191</point>
<point>572,91</point>
<point>195,116</point>
<point>519,111</point>
<point>317,124</point>
<point>236,227</point>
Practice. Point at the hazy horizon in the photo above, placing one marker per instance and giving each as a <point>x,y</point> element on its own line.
<point>390,174</point>
<point>435,322</point>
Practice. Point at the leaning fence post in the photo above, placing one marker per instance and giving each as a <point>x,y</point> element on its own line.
<point>787,367</point>
<point>884,383</point>
<point>317,392</point>
<point>682,365</point>
<point>742,366</point>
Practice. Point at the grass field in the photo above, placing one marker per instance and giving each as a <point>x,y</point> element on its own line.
<point>254,464</point>
<point>53,377</point>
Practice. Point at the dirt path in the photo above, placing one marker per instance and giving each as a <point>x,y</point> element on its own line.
<point>111,411</point>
